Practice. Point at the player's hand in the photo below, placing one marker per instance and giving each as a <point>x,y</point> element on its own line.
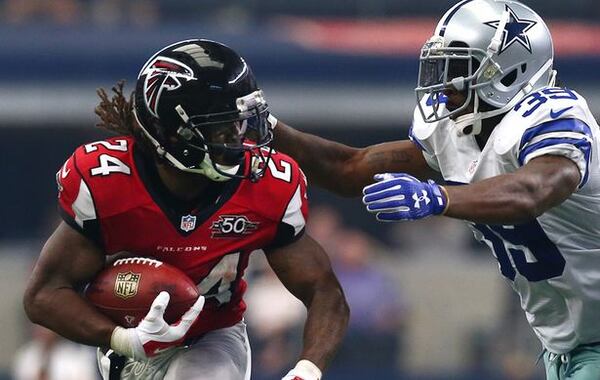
<point>304,370</point>
<point>399,196</point>
<point>153,335</point>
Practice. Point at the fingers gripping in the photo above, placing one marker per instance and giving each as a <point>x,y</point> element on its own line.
<point>195,310</point>
<point>159,305</point>
<point>157,335</point>
<point>180,328</point>
<point>153,335</point>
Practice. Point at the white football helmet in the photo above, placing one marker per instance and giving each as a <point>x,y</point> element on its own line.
<point>497,51</point>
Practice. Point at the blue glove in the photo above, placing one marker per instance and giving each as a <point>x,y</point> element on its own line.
<point>399,196</point>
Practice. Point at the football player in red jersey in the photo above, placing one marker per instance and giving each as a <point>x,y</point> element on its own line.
<point>193,183</point>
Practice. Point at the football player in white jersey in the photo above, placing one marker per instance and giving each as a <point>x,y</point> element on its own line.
<point>519,158</point>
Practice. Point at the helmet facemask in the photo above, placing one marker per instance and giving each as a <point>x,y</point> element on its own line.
<point>217,144</point>
<point>454,68</point>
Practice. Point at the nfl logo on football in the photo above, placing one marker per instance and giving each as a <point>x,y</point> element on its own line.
<point>188,223</point>
<point>126,284</point>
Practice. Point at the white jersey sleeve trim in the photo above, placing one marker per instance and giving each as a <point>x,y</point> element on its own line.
<point>557,135</point>
<point>571,138</point>
<point>565,151</point>
<point>293,213</point>
<point>83,207</point>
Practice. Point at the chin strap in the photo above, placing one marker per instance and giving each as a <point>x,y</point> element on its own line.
<point>272,120</point>
<point>496,43</point>
<point>208,169</point>
<point>206,166</point>
<point>462,123</point>
<point>553,75</point>
<point>474,120</point>
<point>470,123</point>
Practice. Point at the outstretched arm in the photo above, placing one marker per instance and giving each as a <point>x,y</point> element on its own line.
<point>345,170</point>
<point>304,269</point>
<point>521,196</point>
<point>511,198</point>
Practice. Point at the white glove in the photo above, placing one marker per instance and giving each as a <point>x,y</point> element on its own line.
<point>304,370</point>
<point>153,335</point>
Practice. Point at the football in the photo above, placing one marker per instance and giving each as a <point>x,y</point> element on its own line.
<point>125,290</point>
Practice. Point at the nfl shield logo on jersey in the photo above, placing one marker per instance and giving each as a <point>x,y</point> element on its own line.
<point>188,223</point>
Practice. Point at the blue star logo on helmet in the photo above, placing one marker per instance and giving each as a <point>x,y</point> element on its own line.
<point>515,31</point>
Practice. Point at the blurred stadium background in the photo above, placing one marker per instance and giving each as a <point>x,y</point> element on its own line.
<point>427,302</point>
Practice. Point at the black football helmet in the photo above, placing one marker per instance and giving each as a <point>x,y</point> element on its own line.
<point>198,103</point>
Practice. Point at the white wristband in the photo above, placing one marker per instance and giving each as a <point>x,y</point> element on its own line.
<point>272,120</point>
<point>307,370</point>
<point>122,342</point>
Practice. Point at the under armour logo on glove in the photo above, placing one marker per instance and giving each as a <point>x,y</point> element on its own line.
<point>423,198</point>
<point>399,196</point>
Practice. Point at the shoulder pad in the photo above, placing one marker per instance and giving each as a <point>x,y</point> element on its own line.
<point>108,169</point>
<point>74,196</point>
<point>420,129</point>
<point>283,170</point>
<point>100,158</point>
<point>282,192</point>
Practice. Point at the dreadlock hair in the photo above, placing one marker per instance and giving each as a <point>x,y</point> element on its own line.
<point>116,115</point>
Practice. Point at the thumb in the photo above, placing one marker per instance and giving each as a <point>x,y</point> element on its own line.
<point>157,310</point>
<point>401,176</point>
<point>180,328</point>
<point>383,176</point>
<point>193,311</point>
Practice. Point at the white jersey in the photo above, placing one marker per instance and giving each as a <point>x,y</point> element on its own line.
<point>553,262</point>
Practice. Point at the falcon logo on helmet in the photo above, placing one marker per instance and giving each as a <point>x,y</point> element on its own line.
<point>163,73</point>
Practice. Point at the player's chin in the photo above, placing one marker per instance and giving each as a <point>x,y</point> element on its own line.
<point>230,157</point>
<point>460,113</point>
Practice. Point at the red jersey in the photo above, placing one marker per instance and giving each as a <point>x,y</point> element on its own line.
<point>112,194</point>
